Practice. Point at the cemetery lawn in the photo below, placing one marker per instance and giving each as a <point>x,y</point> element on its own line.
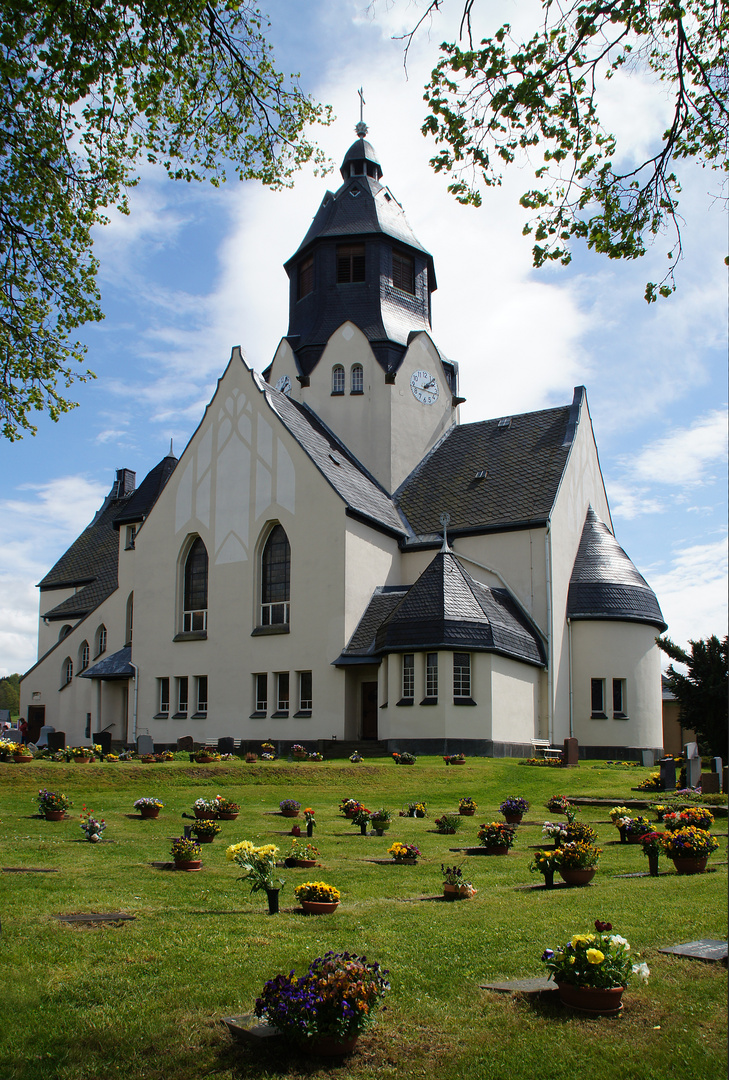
<point>143,1000</point>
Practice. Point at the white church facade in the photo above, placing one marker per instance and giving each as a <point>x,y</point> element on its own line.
<point>336,555</point>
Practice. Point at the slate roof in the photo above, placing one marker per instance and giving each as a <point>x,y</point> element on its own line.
<point>605,583</point>
<point>143,499</point>
<point>523,458</point>
<point>361,493</point>
<point>116,666</point>
<point>445,609</point>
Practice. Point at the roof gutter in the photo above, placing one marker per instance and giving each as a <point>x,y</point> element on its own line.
<point>136,701</point>
<point>550,645</point>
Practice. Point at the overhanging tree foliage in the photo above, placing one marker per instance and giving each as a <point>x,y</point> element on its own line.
<point>703,692</point>
<point>492,104</point>
<point>89,90</point>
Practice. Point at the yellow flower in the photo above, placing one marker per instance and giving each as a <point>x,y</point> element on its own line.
<point>594,956</point>
<point>582,939</point>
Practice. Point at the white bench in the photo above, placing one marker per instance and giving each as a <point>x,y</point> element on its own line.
<point>542,748</point>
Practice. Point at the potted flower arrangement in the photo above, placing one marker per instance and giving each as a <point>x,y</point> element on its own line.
<point>632,829</point>
<point>697,816</point>
<point>689,848</point>
<point>555,831</point>
<point>251,758</point>
<point>80,754</point>
<point>111,758</point>
<point>187,854</point>
<point>148,807</point>
<point>577,862</point>
<point>652,844</point>
<point>302,855</point>
<point>20,752</point>
<point>514,809</point>
<point>205,831</point>
<point>349,807</point>
<point>545,862</point>
<point>53,804</point>
<point>406,854</point>
<point>206,754</point>
<point>380,820</point>
<point>316,756</point>
<point>560,804</point>
<point>317,898</point>
<point>327,1008</point>
<point>618,812</point>
<point>227,809</point>
<point>454,759</point>
<point>403,758</point>
<point>361,817</point>
<point>415,809</point>
<point>577,831</point>
<point>651,783</point>
<point>91,826</point>
<point>205,809</point>
<point>592,970</point>
<point>268,748</point>
<point>356,757</point>
<point>258,865</point>
<point>455,885</point>
<point>496,837</point>
<point>289,807</point>
<point>447,824</point>
<point>299,752</point>
<point>467,806</point>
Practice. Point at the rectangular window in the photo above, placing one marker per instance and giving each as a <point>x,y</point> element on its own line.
<point>597,699</point>
<point>619,703</point>
<point>305,691</point>
<point>408,676</point>
<point>195,621</point>
<point>182,695</point>
<point>350,263</point>
<point>261,691</point>
<point>282,692</point>
<point>306,277</point>
<point>131,536</point>
<point>164,695</point>
<point>461,675</point>
<point>202,693</point>
<point>431,675</point>
<point>403,272</point>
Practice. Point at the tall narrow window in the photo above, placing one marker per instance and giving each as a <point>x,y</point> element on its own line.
<point>306,277</point>
<point>408,676</point>
<point>403,272</point>
<point>164,696</point>
<point>461,675</point>
<point>431,676</point>
<point>101,640</point>
<point>201,686</point>
<point>130,619</point>
<point>276,579</point>
<point>83,656</point>
<point>305,691</point>
<point>195,604</point>
<point>131,536</point>
<point>350,263</point>
<point>261,692</point>
<point>619,704</point>
<point>337,379</point>
<point>357,379</point>
<point>67,671</point>
<point>182,696</point>
<point>597,699</point>
<point>282,693</point>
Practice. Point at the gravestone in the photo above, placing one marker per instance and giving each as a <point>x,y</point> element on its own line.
<point>710,783</point>
<point>186,742</point>
<point>647,759</point>
<point>102,739</point>
<point>145,744</point>
<point>56,740</point>
<point>4,716</point>
<point>570,753</point>
<point>226,745</point>
<point>690,750</point>
<point>45,731</point>
<point>693,772</point>
<point>716,765</point>
<point>12,735</point>
<point>707,949</point>
<point>668,774</point>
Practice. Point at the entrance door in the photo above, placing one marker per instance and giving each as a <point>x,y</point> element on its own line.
<point>36,719</point>
<point>369,710</point>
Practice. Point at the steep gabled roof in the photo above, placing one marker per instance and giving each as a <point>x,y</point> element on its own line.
<point>137,507</point>
<point>605,583</point>
<point>382,603</point>
<point>496,474</point>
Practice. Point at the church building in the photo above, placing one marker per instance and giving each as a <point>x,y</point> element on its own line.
<point>335,555</point>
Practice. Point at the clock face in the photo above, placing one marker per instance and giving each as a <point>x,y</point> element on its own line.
<point>284,385</point>
<point>424,387</point>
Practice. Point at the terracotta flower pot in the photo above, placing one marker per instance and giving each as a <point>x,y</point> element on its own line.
<point>635,838</point>
<point>689,865</point>
<point>227,817</point>
<point>467,811</point>
<point>22,758</point>
<point>205,815</point>
<point>591,999</point>
<point>189,865</point>
<point>54,815</point>
<point>496,849</point>
<point>328,1046</point>
<point>405,862</point>
<point>204,839</point>
<point>458,892</point>
<point>577,877</point>
<point>204,759</point>
<point>149,811</point>
<point>290,813</point>
<point>513,819</point>
<point>304,862</point>
<point>81,760</point>
<point>319,907</point>
<point>458,761</point>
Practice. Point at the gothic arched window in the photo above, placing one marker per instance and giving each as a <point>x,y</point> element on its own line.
<point>67,671</point>
<point>195,598</point>
<point>357,379</point>
<point>83,656</point>
<point>276,579</point>
<point>337,379</point>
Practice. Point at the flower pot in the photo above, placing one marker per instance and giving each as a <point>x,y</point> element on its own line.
<point>304,862</point>
<point>310,829</point>
<point>458,761</point>
<point>549,879</point>
<point>290,813</point>
<point>54,815</point>
<point>458,892</point>
<point>380,826</point>
<point>577,877</point>
<point>227,817</point>
<point>513,819</point>
<point>204,759</point>
<point>496,849</point>
<point>319,907</point>
<point>149,811</point>
<point>363,829</point>
<point>653,865</point>
<point>206,815</point>
<point>22,758</point>
<point>299,756</point>
<point>189,865</point>
<point>591,999</point>
<point>467,811</point>
<point>417,813</point>
<point>635,838</point>
<point>251,759</point>
<point>405,862</point>
<point>295,830</point>
<point>82,760</point>
<point>687,864</point>
<point>272,895</point>
<point>446,832</point>
<point>328,1046</point>
<point>203,839</point>
<point>405,762</point>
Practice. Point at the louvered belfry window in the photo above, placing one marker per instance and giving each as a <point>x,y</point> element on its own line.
<point>350,263</point>
<point>306,277</point>
<point>403,272</point>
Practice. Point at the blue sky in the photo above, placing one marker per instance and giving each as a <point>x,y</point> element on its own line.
<point>194,271</point>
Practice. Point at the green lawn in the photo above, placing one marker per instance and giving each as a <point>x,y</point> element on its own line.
<point>144,999</point>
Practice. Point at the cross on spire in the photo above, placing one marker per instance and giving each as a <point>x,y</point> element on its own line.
<point>361,127</point>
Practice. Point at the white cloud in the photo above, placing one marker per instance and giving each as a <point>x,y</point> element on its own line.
<point>692,593</point>
<point>683,457</point>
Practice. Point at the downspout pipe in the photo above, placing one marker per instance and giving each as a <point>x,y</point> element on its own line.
<point>550,629</point>
<point>136,701</point>
<point>569,650</point>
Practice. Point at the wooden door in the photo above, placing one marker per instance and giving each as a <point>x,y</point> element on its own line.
<point>369,710</point>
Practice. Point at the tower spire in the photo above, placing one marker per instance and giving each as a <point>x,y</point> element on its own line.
<point>361,127</point>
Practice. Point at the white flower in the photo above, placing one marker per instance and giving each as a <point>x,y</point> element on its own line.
<point>642,971</point>
<point>616,939</point>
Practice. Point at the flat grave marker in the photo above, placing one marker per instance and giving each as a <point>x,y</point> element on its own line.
<point>707,949</point>
<point>536,987</point>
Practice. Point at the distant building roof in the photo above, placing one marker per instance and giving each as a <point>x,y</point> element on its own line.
<point>605,583</point>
